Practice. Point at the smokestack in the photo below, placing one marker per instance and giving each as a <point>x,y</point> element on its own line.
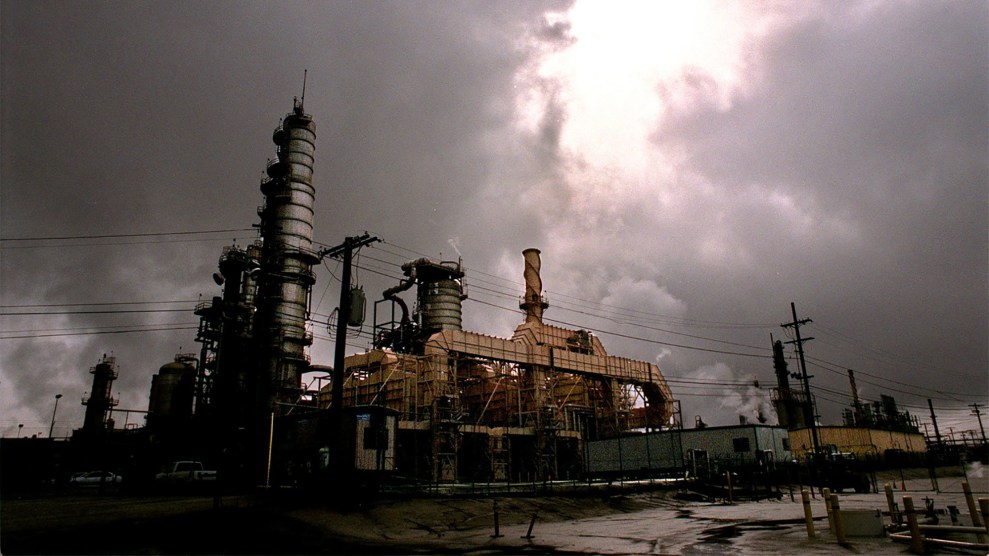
<point>533,302</point>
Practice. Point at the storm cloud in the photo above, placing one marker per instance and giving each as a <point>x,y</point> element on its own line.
<point>683,194</point>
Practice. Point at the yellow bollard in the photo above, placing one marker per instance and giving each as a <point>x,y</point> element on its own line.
<point>894,518</point>
<point>808,513</point>
<point>916,541</point>
<point>984,508</point>
<point>839,526</point>
<point>973,510</point>
<point>826,494</point>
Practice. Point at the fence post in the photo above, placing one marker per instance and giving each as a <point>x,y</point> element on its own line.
<point>497,533</point>
<point>528,534</point>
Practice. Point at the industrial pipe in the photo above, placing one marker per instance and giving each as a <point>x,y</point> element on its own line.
<point>906,537</point>
<point>390,293</point>
<point>950,528</point>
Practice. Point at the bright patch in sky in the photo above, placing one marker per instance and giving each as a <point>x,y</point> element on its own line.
<point>608,80</point>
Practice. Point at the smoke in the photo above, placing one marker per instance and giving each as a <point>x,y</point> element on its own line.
<point>455,243</point>
<point>739,395</point>
<point>975,470</point>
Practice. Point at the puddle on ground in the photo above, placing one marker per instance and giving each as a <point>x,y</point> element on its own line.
<point>724,534</point>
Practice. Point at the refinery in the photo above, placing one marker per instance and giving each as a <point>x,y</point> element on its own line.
<point>428,404</point>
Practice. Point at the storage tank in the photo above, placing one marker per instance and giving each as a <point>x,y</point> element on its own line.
<point>172,390</point>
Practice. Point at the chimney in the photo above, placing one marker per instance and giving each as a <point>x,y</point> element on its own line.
<point>533,302</point>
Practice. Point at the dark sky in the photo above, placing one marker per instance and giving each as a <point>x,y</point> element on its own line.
<point>687,170</point>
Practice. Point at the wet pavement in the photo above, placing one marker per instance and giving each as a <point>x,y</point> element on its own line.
<point>698,528</point>
<point>665,521</point>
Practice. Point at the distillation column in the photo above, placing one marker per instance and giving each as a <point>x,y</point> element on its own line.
<point>100,400</point>
<point>286,276</point>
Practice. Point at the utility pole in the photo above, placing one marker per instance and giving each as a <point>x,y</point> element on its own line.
<point>937,432</point>
<point>856,403</point>
<point>52,427</point>
<point>346,250</point>
<point>811,413</point>
<point>978,415</point>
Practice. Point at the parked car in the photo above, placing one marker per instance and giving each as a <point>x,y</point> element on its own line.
<point>94,479</point>
<point>186,472</point>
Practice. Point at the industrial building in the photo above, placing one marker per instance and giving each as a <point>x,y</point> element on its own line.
<point>481,408</point>
<point>698,451</point>
<point>464,406</point>
<point>864,442</point>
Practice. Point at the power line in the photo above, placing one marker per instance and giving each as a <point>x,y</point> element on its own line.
<point>924,391</point>
<point>162,329</point>
<point>115,236</point>
<point>881,355</point>
<point>105,304</point>
<point>634,317</point>
<point>107,312</point>
<point>630,337</point>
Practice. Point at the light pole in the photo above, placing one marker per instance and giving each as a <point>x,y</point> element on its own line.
<point>52,427</point>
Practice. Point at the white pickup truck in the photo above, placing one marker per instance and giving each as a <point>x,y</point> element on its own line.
<point>186,472</point>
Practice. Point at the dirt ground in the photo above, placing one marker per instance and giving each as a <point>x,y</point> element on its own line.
<point>656,521</point>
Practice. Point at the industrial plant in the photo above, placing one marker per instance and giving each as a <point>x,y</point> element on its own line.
<point>428,403</point>
<point>448,404</point>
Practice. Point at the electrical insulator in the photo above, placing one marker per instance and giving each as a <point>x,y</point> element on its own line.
<point>357,304</point>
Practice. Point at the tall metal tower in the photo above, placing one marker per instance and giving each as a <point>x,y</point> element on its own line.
<point>285,277</point>
<point>99,401</point>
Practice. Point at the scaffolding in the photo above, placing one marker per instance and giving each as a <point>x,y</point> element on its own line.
<point>525,422</point>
